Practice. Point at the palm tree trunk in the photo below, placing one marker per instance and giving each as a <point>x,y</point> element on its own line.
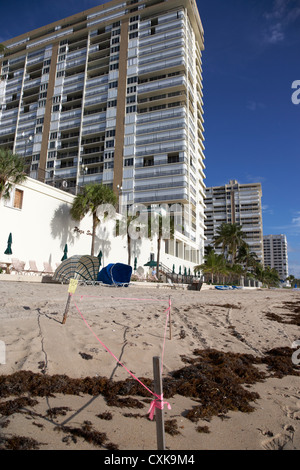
<point>94,234</point>
<point>158,256</point>
<point>129,248</point>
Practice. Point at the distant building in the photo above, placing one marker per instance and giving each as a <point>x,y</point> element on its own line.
<point>236,203</point>
<point>275,254</point>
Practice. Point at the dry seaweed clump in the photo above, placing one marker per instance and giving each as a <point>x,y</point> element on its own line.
<point>90,435</point>
<point>292,318</point>
<point>215,379</point>
<point>218,382</point>
<point>279,362</point>
<point>18,443</point>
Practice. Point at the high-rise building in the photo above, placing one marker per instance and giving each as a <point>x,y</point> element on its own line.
<point>276,255</point>
<point>113,95</point>
<point>236,203</point>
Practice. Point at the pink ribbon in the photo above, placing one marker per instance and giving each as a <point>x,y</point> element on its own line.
<point>159,404</point>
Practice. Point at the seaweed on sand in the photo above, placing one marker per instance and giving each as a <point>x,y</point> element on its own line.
<point>18,443</point>
<point>213,378</point>
<point>287,318</point>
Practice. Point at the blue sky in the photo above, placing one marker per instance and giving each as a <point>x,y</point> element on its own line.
<point>252,127</point>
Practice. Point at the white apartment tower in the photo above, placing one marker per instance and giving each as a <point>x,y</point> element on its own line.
<point>113,95</point>
<point>236,203</point>
<point>276,254</point>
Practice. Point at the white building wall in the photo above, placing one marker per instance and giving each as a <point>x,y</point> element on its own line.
<point>43,226</point>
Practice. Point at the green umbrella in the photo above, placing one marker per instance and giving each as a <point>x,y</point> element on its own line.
<point>185,271</point>
<point>65,256</point>
<point>151,263</point>
<point>189,271</point>
<point>179,269</point>
<point>173,268</point>
<point>100,256</point>
<point>8,250</point>
<point>135,263</point>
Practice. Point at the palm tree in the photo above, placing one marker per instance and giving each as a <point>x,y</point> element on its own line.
<point>93,195</point>
<point>11,171</point>
<point>246,257</point>
<point>214,264</point>
<point>231,237</point>
<point>268,276</point>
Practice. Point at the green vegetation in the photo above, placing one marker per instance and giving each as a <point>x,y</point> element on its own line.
<point>12,171</point>
<point>90,199</point>
<point>236,259</point>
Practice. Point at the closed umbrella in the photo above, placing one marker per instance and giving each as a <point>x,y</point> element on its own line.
<point>135,263</point>
<point>8,250</point>
<point>65,256</point>
<point>100,257</point>
<point>151,264</point>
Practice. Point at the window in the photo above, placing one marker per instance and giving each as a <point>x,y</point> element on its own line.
<point>111,133</point>
<point>148,161</point>
<point>134,35</point>
<point>130,109</point>
<point>132,80</point>
<point>131,89</point>
<point>18,200</point>
<point>114,66</point>
<point>110,143</point>
<point>115,49</point>
<point>113,85</point>
<point>131,99</point>
<point>111,104</point>
<point>128,162</point>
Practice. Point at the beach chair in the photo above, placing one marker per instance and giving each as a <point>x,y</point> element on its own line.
<point>33,268</point>
<point>48,269</point>
<point>17,266</point>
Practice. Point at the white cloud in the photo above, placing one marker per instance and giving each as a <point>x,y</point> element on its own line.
<point>282,14</point>
<point>254,105</point>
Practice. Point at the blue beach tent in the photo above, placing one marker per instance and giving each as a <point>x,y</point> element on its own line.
<point>115,274</point>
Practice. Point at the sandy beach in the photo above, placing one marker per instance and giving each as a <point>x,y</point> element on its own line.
<point>228,372</point>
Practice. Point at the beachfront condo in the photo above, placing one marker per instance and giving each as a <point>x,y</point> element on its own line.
<point>276,254</point>
<point>236,203</point>
<point>113,95</point>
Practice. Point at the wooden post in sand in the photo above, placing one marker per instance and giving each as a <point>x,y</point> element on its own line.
<point>72,288</point>
<point>159,413</point>
<point>67,309</point>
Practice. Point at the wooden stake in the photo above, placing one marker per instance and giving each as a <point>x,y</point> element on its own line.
<point>72,289</point>
<point>67,309</point>
<point>159,414</point>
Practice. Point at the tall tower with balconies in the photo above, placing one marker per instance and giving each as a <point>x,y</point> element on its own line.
<point>114,95</point>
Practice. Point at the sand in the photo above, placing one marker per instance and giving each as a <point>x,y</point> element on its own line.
<point>131,324</point>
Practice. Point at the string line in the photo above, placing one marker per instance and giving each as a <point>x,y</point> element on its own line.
<point>158,402</point>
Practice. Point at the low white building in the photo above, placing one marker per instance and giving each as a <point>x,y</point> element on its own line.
<point>38,217</point>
